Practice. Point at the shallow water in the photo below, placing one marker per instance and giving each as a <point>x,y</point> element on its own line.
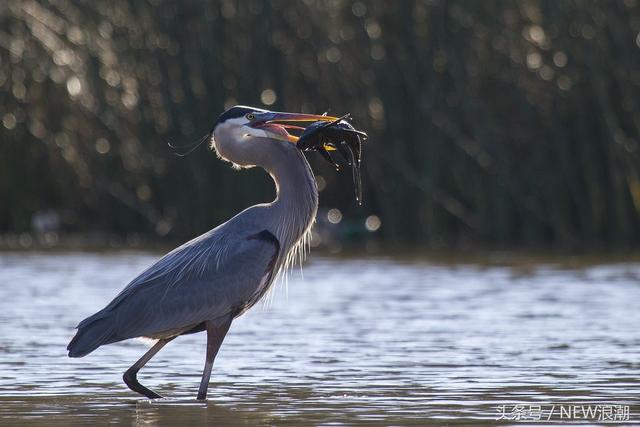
<point>353,341</point>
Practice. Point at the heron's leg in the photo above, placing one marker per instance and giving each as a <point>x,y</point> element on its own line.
<point>129,376</point>
<point>215,336</point>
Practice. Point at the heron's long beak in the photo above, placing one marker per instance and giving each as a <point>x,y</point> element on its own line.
<point>276,123</point>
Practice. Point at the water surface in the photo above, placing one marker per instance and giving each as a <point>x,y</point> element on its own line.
<point>352,341</point>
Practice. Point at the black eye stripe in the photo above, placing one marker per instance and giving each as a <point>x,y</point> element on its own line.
<point>233,113</point>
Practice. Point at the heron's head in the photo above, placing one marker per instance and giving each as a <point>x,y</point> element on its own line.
<point>245,135</point>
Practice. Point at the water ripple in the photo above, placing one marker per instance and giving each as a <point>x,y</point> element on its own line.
<point>373,341</point>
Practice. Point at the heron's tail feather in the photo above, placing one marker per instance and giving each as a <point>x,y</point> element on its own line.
<point>92,332</point>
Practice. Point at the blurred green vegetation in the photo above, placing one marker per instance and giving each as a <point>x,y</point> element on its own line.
<point>512,123</point>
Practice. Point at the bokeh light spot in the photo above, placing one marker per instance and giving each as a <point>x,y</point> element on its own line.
<point>9,121</point>
<point>376,109</point>
<point>74,86</point>
<point>560,59</point>
<point>359,9</point>
<point>333,54</point>
<point>374,31</point>
<point>564,82</point>
<point>534,60</point>
<point>102,146</point>
<point>144,192</point>
<point>334,216</point>
<point>372,223</point>
<point>268,97</point>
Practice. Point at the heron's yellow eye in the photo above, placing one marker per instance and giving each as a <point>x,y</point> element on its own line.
<point>250,116</point>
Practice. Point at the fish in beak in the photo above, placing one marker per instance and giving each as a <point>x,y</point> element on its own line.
<point>341,137</point>
<point>323,134</point>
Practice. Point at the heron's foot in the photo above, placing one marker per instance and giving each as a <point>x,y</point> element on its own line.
<point>131,380</point>
<point>202,395</point>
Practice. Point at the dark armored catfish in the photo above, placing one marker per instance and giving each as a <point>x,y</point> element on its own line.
<point>337,136</point>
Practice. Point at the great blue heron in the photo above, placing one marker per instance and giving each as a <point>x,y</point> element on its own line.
<point>207,282</point>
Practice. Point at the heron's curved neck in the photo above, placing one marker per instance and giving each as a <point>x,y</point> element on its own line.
<point>294,209</point>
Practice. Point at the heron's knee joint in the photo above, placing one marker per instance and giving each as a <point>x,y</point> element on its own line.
<point>130,377</point>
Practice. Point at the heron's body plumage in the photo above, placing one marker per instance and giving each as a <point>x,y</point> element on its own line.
<point>217,275</point>
<point>190,285</point>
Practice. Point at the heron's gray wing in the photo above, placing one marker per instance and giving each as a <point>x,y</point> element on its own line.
<point>206,279</point>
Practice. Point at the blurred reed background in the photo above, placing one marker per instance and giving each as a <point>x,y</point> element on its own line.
<point>493,123</point>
